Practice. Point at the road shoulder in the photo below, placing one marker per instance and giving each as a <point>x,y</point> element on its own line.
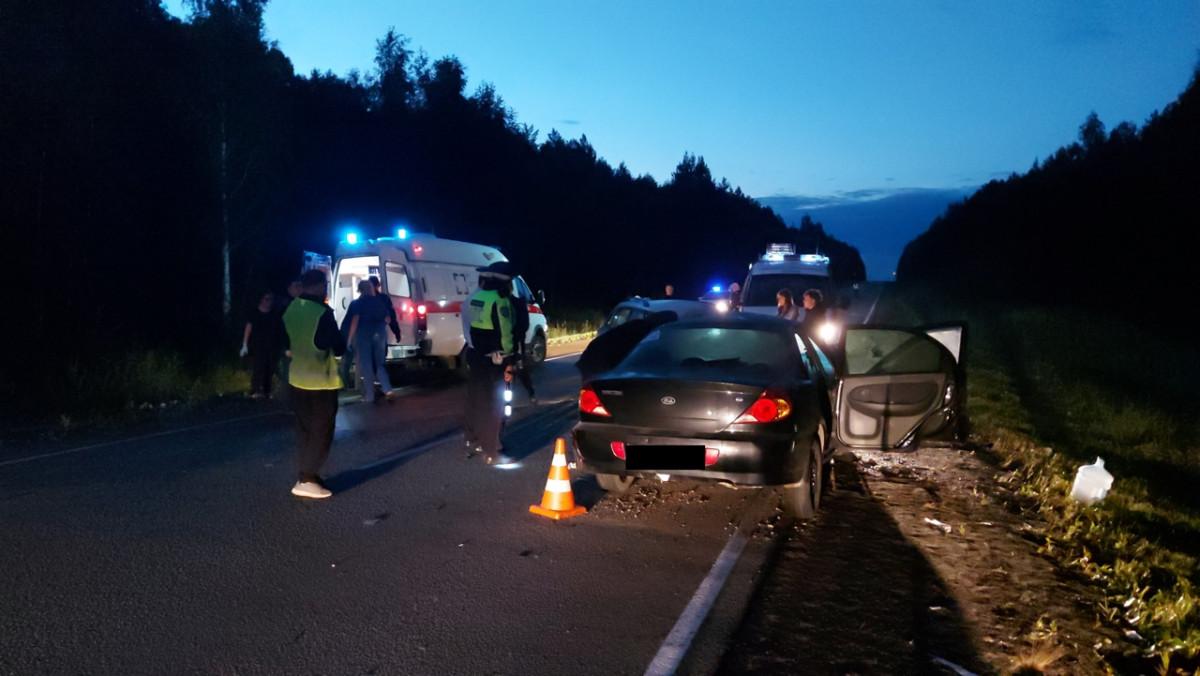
<point>917,562</point>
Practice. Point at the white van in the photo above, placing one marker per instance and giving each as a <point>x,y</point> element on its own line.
<point>427,279</point>
<point>781,268</point>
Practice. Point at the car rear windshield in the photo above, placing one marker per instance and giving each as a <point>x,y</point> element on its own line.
<point>715,353</point>
<point>761,289</point>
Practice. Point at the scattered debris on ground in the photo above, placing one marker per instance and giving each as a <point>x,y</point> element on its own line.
<point>919,563</point>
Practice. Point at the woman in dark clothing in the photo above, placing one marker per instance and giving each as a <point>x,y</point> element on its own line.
<point>263,339</point>
<point>786,307</point>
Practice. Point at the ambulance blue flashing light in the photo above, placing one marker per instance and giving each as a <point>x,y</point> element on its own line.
<point>716,288</point>
<point>402,233</point>
<point>351,237</point>
<point>814,258</point>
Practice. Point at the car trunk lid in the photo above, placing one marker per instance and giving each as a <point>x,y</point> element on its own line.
<point>688,406</point>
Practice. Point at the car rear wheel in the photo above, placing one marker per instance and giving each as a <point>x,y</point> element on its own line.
<point>614,483</point>
<point>804,497</point>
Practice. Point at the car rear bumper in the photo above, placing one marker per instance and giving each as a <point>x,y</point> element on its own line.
<point>400,352</point>
<point>759,460</point>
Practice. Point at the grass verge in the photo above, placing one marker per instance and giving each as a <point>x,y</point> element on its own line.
<point>128,385</point>
<point>1050,389</point>
<point>571,322</point>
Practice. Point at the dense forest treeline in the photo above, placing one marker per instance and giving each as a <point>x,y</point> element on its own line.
<point>157,174</point>
<point>1107,223</point>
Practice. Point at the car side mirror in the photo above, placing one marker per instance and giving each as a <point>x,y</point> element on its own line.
<point>541,296</point>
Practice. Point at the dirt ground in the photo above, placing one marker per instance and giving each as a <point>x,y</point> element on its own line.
<point>917,564</point>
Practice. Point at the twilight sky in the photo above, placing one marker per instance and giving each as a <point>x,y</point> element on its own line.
<point>789,98</point>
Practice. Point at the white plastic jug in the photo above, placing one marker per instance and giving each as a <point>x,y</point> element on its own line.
<point>1091,483</point>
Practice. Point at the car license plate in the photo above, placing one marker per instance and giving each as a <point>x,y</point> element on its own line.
<point>664,457</point>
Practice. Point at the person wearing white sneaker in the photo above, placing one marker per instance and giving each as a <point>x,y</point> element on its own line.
<point>313,340</point>
<point>311,489</point>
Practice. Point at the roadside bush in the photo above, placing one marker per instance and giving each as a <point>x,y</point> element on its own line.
<point>147,380</point>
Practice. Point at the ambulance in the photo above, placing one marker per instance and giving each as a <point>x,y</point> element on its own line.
<point>427,279</point>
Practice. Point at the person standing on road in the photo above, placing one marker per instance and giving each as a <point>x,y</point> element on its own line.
<point>314,342</point>
<point>735,296</point>
<point>368,335</point>
<point>520,330</point>
<point>263,340</point>
<point>488,321</point>
<point>814,312</point>
<point>786,308</point>
<point>392,322</point>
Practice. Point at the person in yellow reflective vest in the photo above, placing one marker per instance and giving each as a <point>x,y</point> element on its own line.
<point>313,341</point>
<point>488,330</point>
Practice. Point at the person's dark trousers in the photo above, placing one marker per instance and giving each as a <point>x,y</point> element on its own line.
<point>263,364</point>
<point>485,408</point>
<point>524,376</point>
<point>316,411</point>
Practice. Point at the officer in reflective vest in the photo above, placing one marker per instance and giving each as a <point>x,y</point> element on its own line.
<point>313,343</point>
<point>488,329</point>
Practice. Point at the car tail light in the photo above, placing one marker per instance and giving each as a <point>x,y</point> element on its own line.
<point>589,402</point>
<point>711,455</point>
<point>769,407</point>
<point>406,307</point>
<point>421,309</point>
<point>618,449</point>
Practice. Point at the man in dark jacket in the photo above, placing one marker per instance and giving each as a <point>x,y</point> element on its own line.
<point>610,348</point>
<point>313,340</point>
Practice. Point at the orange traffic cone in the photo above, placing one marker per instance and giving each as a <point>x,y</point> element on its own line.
<point>558,502</point>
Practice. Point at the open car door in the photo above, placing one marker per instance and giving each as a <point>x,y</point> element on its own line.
<point>900,385</point>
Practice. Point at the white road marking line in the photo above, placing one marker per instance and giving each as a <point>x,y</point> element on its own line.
<point>671,652</point>
<point>870,312</point>
<point>144,437</point>
<point>562,356</point>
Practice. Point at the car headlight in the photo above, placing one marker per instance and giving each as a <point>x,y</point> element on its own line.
<point>828,333</point>
<point>722,306</point>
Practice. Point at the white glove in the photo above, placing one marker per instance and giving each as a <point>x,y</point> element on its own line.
<point>497,358</point>
<point>245,351</point>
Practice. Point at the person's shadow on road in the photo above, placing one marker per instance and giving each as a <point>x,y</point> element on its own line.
<point>848,593</point>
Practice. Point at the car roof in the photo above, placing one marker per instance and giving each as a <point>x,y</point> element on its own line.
<point>736,320</point>
<point>659,305</point>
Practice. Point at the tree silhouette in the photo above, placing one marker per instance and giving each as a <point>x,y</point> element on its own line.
<point>163,172</point>
<point>1108,222</point>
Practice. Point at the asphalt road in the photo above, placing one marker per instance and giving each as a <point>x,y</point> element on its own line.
<point>184,552</point>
